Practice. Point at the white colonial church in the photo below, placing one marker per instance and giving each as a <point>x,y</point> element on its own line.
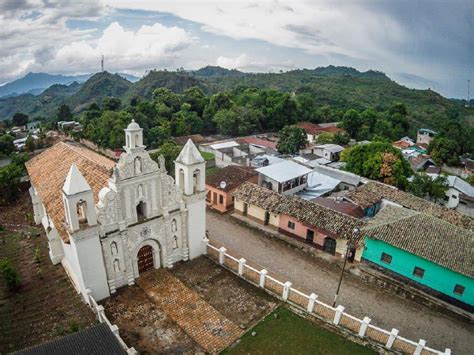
<point>107,222</point>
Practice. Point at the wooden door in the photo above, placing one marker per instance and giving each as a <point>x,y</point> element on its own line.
<point>145,258</point>
<point>329,246</point>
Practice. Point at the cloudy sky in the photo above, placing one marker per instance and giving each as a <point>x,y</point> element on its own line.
<point>420,44</point>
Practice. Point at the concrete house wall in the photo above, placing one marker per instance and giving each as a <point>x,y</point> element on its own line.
<point>436,277</point>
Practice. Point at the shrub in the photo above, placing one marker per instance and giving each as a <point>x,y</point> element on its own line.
<point>10,275</point>
<point>37,255</point>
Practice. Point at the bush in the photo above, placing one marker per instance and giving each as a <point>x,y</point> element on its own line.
<point>10,275</point>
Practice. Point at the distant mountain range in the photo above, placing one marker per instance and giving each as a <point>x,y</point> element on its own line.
<point>339,87</point>
<point>36,83</point>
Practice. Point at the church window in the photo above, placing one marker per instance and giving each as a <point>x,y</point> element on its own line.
<point>196,180</point>
<point>138,165</point>
<point>116,265</point>
<point>114,248</point>
<point>141,211</point>
<point>174,225</point>
<point>175,242</point>
<point>81,211</point>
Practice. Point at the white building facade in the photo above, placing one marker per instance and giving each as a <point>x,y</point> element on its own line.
<point>139,220</point>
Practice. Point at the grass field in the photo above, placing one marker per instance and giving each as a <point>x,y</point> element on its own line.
<point>283,332</point>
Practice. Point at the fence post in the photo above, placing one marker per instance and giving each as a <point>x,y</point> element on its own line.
<point>222,251</point>
<point>420,347</point>
<point>338,315</point>
<point>391,338</point>
<point>100,310</point>
<point>115,330</point>
<point>263,275</point>
<point>89,295</point>
<point>363,326</point>
<point>242,262</point>
<point>204,245</point>
<point>286,290</point>
<point>312,300</point>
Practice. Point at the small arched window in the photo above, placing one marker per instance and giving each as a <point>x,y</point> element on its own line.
<point>138,165</point>
<point>81,211</point>
<point>140,191</point>
<point>175,242</point>
<point>174,225</point>
<point>114,248</point>
<point>116,265</point>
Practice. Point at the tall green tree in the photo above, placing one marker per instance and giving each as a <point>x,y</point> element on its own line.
<point>378,161</point>
<point>64,113</point>
<point>20,119</point>
<point>291,140</point>
<point>6,144</point>
<point>444,151</point>
<point>170,152</point>
<point>424,186</point>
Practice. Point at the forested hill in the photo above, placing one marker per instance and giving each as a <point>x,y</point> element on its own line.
<point>339,87</point>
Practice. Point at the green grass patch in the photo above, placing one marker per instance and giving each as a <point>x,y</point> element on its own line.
<point>284,332</point>
<point>207,156</point>
<point>212,170</point>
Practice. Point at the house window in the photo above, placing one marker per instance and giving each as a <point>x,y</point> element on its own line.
<point>291,225</point>
<point>418,272</point>
<point>454,196</point>
<point>459,290</point>
<point>386,258</point>
<point>221,199</point>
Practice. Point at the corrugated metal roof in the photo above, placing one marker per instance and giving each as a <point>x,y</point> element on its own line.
<point>96,340</point>
<point>284,171</point>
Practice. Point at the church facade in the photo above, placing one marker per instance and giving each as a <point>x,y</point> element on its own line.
<point>108,222</point>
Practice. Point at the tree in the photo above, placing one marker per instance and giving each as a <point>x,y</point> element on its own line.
<point>11,276</point>
<point>170,152</point>
<point>9,183</point>
<point>425,186</point>
<point>20,119</point>
<point>341,138</point>
<point>352,122</point>
<point>325,138</point>
<point>444,150</point>
<point>378,161</point>
<point>291,140</point>
<point>64,113</point>
<point>226,121</point>
<point>111,103</point>
<point>6,144</point>
<point>30,144</point>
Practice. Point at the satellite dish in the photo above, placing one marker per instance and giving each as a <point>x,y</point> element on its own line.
<point>223,184</point>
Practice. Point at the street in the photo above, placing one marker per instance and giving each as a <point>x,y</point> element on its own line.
<point>309,274</point>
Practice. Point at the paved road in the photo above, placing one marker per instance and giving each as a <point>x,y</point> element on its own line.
<point>313,275</point>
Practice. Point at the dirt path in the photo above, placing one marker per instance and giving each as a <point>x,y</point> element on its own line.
<point>202,322</point>
<point>312,275</point>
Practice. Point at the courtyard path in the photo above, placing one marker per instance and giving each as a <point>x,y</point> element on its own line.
<point>310,274</point>
<point>202,322</point>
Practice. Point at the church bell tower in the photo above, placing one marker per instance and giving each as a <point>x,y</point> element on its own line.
<point>190,173</point>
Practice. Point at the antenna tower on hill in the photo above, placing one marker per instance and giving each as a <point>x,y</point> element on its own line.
<point>102,63</point>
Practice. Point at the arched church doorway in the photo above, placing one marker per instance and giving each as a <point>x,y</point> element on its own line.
<point>145,258</point>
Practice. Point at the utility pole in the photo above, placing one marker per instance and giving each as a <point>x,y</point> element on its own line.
<point>350,244</point>
<point>102,63</point>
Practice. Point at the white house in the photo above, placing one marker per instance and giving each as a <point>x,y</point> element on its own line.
<point>108,222</point>
<point>286,178</point>
<point>459,195</point>
<point>328,151</point>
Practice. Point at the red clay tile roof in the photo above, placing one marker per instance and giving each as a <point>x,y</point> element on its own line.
<point>329,221</point>
<point>401,144</point>
<point>426,236</point>
<point>48,172</point>
<point>340,206</point>
<point>233,176</point>
<point>258,141</point>
<point>315,129</point>
<point>196,138</point>
<point>373,192</point>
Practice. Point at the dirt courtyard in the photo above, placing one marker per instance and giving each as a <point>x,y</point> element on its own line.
<point>145,326</point>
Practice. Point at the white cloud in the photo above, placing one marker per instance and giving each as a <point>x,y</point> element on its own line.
<point>239,62</point>
<point>148,47</point>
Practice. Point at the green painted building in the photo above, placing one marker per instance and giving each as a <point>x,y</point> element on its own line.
<point>436,255</point>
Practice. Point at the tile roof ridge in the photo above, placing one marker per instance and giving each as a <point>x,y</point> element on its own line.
<point>402,218</point>
<point>74,147</point>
